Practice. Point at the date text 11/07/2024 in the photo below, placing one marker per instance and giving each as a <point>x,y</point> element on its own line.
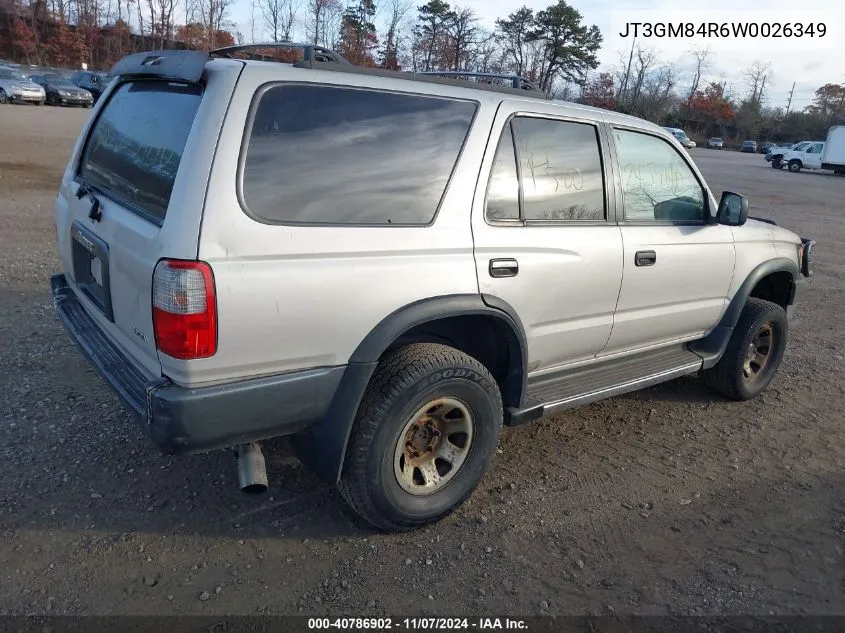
<point>724,29</point>
<point>417,624</point>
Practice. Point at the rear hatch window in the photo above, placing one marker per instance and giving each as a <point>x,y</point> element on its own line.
<point>136,144</point>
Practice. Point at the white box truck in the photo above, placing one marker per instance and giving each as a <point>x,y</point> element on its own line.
<point>833,155</point>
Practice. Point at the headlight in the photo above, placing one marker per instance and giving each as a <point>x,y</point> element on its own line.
<point>64,93</point>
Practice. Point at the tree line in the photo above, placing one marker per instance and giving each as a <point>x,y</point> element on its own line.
<point>641,85</point>
<point>552,47</point>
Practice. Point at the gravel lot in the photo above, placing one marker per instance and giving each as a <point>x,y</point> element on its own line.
<point>666,501</point>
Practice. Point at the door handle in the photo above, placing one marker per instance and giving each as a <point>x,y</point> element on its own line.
<point>503,267</point>
<point>645,258</point>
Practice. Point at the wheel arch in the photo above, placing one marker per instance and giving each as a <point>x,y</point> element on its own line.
<point>454,319</point>
<point>773,280</point>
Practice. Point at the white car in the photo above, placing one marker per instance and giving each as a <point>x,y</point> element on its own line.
<point>682,137</point>
<point>15,87</point>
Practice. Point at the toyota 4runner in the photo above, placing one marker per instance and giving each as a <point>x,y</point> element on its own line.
<point>387,267</point>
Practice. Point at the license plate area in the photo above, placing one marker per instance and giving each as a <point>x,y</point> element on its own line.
<point>91,268</point>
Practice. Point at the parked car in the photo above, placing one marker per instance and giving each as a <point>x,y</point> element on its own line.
<point>93,82</point>
<point>61,91</point>
<point>16,87</point>
<point>748,146</point>
<point>682,137</point>
<point>804,156</point>
<point>765,147</point>
<point>715,143</point>
<point>255,326</point>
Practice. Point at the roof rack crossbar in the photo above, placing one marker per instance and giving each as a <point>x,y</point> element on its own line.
<point>520,83</point>
<point>310,52</point>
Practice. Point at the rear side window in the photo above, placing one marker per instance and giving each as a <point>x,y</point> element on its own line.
<point>554,174</point>
<point>136,145</point>
<point>330,155</point>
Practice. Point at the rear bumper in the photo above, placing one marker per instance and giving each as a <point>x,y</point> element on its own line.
<point>183,420</point>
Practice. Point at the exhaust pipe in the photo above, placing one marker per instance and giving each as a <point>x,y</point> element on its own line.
<point>252,473</point>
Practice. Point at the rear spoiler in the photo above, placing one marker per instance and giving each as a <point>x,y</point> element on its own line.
<point>177,65</point>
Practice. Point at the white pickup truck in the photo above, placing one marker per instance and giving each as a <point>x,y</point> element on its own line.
<point>829,154</point>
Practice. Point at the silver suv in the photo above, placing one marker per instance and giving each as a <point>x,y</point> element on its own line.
<point>388,266</point>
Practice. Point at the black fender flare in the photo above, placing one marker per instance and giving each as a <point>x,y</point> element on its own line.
<point>322,447</point>
<point>712,346</point>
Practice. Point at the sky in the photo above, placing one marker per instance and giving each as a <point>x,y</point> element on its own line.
<point>808,61</point>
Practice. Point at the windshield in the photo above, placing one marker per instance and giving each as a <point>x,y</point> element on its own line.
<point>801,147</point>
<point>8,73</point>
<point>56,80</point>
<point>716,139</point>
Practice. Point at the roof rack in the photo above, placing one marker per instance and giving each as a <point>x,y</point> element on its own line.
<point>316,57</point>
<point>310,53</point>
<point>517,82</point>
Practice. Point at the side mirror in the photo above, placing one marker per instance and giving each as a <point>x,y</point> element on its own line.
<point>733,209</point>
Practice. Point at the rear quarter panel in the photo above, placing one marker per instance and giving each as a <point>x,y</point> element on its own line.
<point>294,297</point>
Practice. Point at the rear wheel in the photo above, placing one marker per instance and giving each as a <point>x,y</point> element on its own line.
<point>4,98</point>
<point>794,166</point>
<point>425,432</point>
<point>754,352</point>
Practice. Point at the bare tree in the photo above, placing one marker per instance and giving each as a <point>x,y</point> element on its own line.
<point>322,18</point>
<point>645,60</point>
<point>462,30</point>
<point>213,14</point>
<point>290,14</point>
<point>271,12</point>
<point>756,75</point>
<point>702,62</point>
<point>397,10</point>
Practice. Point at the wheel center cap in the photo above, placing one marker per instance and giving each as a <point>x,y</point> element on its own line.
<point>422,438</point>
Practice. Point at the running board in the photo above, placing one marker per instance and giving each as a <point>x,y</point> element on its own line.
<point>604,379</point>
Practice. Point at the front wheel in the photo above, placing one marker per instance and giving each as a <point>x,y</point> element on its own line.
<point>4,98</point>
<point>794,166</point>
<point>425,433</point>
<point>754,352</point>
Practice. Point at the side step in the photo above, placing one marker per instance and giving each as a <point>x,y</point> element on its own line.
<point>572,388</point>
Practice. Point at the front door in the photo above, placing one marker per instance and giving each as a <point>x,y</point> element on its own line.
<point>677,265</point>
<point>813,156</point>
<point>546,241</point>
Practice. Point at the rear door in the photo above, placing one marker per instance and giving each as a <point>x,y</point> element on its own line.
<point>121,206</point>
<point>546,241</point>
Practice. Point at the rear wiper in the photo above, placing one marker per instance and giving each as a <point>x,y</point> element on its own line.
<point>85,189</point>
<point>82,190</point>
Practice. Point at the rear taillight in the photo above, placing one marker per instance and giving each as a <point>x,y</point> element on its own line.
<point>184,309</point>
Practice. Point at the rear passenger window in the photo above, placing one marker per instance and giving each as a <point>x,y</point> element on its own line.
<point>557,163</point>
<point>329,155</point>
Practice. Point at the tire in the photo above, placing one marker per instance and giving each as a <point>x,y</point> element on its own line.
<point>794,165</point>
<point>414,389</point>
<point>4,98</point>
<point>52,100</point>
<point>733,376</point>
<point>777,164</point>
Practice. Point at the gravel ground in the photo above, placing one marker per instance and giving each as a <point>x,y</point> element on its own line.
<point>671,500</point>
